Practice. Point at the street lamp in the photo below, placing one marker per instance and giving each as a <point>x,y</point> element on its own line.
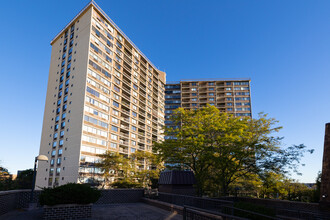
<point>40,158</point>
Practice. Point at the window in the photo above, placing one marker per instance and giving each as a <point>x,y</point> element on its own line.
<point>133,128</point>
<point>56,127</point>
<point>65,107</point>
<point>58,102</point>
<point>54,143</point>
<point>113,145</point>
<point>116,96</point>
<point>211,89</point>
<point>61,86</point>
<point>194,99</point>
<point>57,118</point>
<point>58,170</point>
<point>60,94</point>
<point>70,51</point>
<point>132,150</point>
<point>62,71</point>
<point>133,135</point>
<point>62,78</point>
<point>211,83</point>
<point>228,83</point>
<point>229,104</point>
<point>194,94</point>
<point>52,162</point>
<point>115,120</point>
<point>66,90</point>
<point>114,137</point>
<point>63,124</point>
<point>228,93</point>
<point>134,114</point>
<point>116,104</point>
<point>58,160</point>
<point>211,99</point>
<point>53,153</point>
<point>229,99</point>
<point>133,143</point>
<point>229,109</point>
<point>133,121</point>
<point>194,104</point>
<point>61,133</point>
<point>194,89</point>
<point>114,128</point>
<point>228,89</point>
<point>211,94</point>
<point>69,66</point>
<point>58,110</point>
<point>115,112</point>
<point>67,82</point>
<point>63,63</point>
<point>55,136</point>
<point>61,143</point>
<point>193,84</point>
<point>69,58</point>
<point>65,99</point>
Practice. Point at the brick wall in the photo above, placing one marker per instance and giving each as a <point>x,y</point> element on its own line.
<point>70,211</point>
<point>325,178</point>
<point>16,199</point>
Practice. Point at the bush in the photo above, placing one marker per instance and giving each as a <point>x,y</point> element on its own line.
<point>71,193</point>
<point>125,184</point>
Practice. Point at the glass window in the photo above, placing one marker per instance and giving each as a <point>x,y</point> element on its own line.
<point>66,90</point>
<point>194,94</point>
<point>67,82</point>
<point>69,66</point>
<point>58,102</point>
<point>62,71</point>
<point>55,142</point>
<point>65,99</point>
<point>53,152</point>
<point>52,162</point>
<point>228,83</point>
<point>63,124</point>
<point>56,127</point>
<point>60,152</point>
<point>114,128</point>
<point>61,143</point>
<point>63,63</point>
<point>61,86</point>
<point>58,110</point>
<point>58,160</point>
<point>63,116</point>
<point>68,74</point>
<point>113,145</point>
<point>70,51</point>
<point>64,107</point>
<point>64,55</point>
<point>211,94</point>
<point>133,128</point>
<point>57,118</point>
<point>211,89</point>
<point>115,104</point>
<point>61,133</point>
<point>61,78</point>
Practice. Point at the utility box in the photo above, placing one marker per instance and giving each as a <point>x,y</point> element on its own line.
<point>177,182</point>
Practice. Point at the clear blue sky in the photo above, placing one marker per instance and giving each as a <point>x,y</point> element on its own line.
<point>283,46</point>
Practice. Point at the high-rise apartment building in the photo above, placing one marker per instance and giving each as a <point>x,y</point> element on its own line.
<point>103,94</point>
<point>228,95</point>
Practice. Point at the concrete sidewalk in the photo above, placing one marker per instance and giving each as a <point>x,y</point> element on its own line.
<point>140,211</point>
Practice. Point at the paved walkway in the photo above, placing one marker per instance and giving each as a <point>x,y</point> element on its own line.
<point>124,211</point>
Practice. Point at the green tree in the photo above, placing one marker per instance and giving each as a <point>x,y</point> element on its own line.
<point>24,179</point>
<point>114,167</point>
<point>220,148</point>
<point>136,170</point>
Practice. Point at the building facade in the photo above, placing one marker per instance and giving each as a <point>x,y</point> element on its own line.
<point>103,94</point>
<point>228,95</point>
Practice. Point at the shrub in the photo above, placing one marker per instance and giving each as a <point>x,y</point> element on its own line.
<point>125,184</point>
<point>70,193</point>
